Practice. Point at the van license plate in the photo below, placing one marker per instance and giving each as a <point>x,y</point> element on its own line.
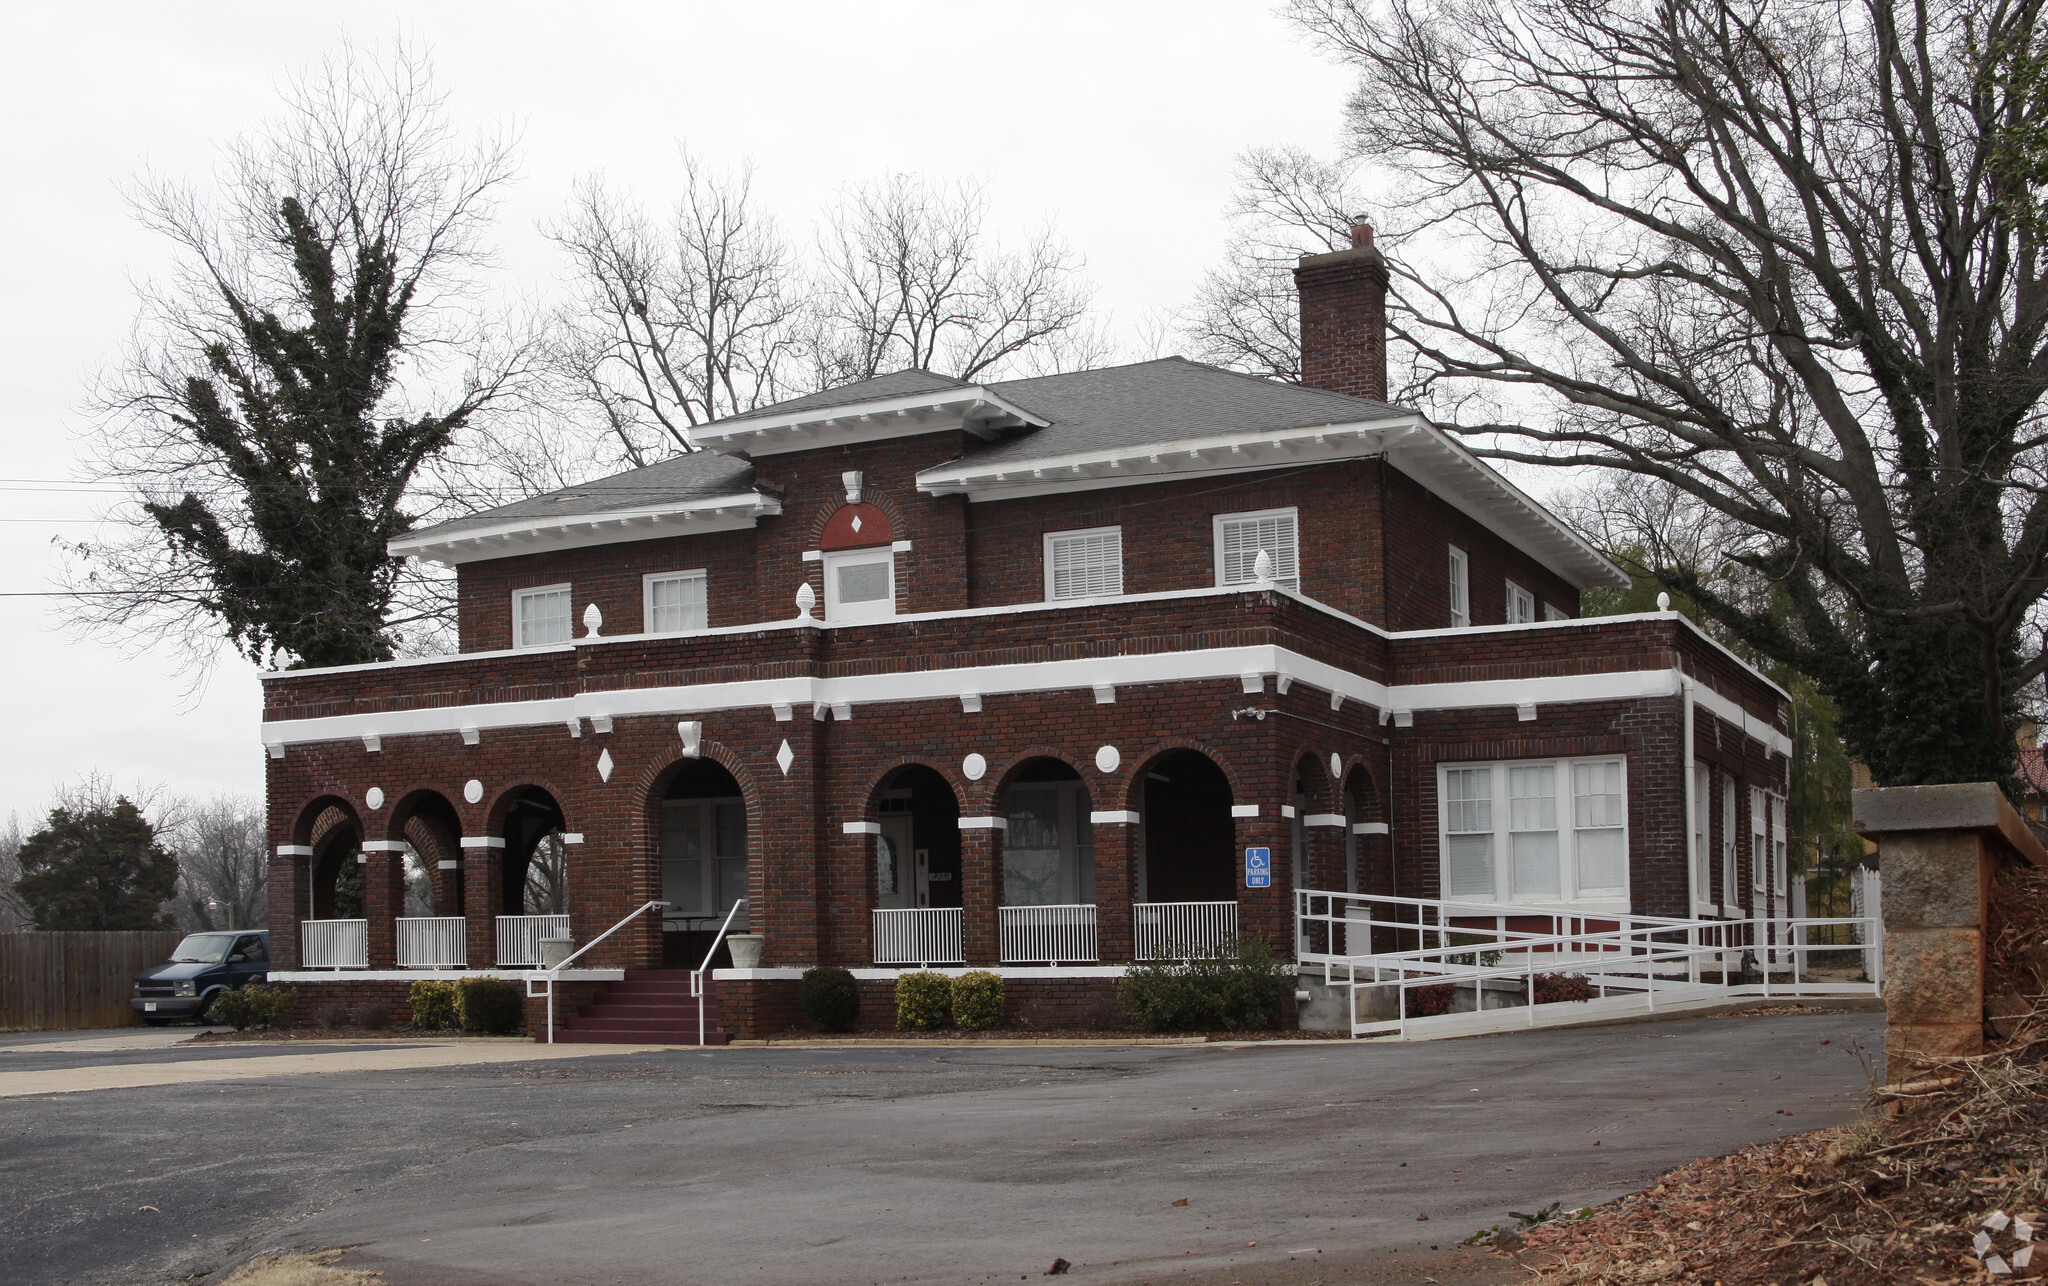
<point>149,1006</point>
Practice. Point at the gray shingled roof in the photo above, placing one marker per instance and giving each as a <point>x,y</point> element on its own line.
<point>1168,400</point>
<point>895,384</point>
<point>700,475</point>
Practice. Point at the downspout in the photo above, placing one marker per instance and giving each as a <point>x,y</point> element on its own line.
<point>1692,803</point>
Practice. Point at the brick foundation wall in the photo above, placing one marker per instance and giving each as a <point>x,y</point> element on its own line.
<point>570,998</point>
<point>758,1008</point>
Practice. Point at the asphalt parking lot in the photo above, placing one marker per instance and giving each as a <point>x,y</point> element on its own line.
<point>866,1165</point>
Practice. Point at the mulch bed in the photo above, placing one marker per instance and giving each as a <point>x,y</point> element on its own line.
<point>289,1034</point>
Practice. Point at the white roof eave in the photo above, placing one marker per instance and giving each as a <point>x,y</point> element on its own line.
<point>568,530</point>
<point>729,435</point>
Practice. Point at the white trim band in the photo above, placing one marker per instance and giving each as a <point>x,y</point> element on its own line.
<point>861,828</point>
<point>1325,819</point>
<point>1369,828</point>
<point>383,846</point>
<point>1114,817</point>
<point>482,841</point>
<point>1244,810</point>
<point>985,824</point>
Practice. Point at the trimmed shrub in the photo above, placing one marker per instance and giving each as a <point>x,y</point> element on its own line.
<point>1239,986</point>
<point>256,1005</point>
<point>331,1016</point>
<point>831,997</point>
<point>491,1005</point>
<point>1557,988</point>
<point>923,1000</point>
<point>433,1003</point>
<point>1428,1002</point>
<point>978,1000</point>
<point>375,1016</point>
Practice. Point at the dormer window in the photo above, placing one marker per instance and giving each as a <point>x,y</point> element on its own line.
<point>1084,564</point>
<point>676,602</point>
<point>540,616</point>
<point>1241,537</point>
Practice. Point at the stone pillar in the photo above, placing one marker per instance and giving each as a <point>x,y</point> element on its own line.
<point>1116,882</point>
<point>483,897</point>
<point>383,864</point>
<point>981,889</point>
<point>1938,851</point>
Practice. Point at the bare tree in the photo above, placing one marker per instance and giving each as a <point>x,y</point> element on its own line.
<point>674,322</point>
<point>1246,314</point>
<point>320,340</point>
<point>910,277</point>
<point>223,867</point>
<point>1782,256</point>
<point>547,877</point>
<point>14,914</point>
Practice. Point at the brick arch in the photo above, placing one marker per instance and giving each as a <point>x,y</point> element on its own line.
<point>964,791</point>
<point>1134,768</point>
<point>427,800</point>
<point>1084,769</point>
<point>502,801</point>
<point>313,825</point>
<point>650,784</point>
<point>1357,769</point>
<point>1325,795</point>
<point>821,516</point>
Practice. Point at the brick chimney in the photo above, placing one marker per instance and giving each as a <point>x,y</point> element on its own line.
<point>1344,318</point>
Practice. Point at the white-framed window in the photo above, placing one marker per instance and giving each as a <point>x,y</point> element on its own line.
<point>1730,876</point>
<point>703,860</point>
<point>1759,841</point>
<point>1560,824</point>
<point>1461,589</point>
<point>675,602</point>
<point>541,616</point>
<point>1240,537</point>
<point>1553,613</point>
<point>1781,879</point>
<point>860,585</point>
<point>1521,605</point>
<point>1702,847</point>
<point>1084,564</point>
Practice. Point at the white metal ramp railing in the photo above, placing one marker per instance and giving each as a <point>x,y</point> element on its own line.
<point>1418,956</point>
<point>432,942</point>
<point>547,977</point>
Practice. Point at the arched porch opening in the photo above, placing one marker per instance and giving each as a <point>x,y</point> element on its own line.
<point>1313,850</point>
<point>917,853</point>
<point>430,826</point>
<point>1186,839</point>
<point>534,864</point>
<point>1049,846</point>
<point>336,837</point>
<point>1368,857</point>
<point>703,845</point>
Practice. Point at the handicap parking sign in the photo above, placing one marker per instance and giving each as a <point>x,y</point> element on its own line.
<point>1258,868</point>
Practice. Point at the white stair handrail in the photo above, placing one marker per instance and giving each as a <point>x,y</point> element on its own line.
<point>697,974</point>
<point>548,975</point>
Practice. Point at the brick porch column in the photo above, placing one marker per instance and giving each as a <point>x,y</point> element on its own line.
<point>290,880</point>
<point>1268,912</point>
<point>483,896</point>
<point>1116,883</point>
<point>1938,850</point>
<point>981,889</point>
<point>383,866</point>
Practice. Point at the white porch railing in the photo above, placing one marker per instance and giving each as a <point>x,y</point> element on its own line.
<point>920,936</point>
<point>519,938</point>
<point>334,944</point>
<point>1371,944</point>
<point>1047,934</point>
<point>1176,930</point>
<point>432,942</point>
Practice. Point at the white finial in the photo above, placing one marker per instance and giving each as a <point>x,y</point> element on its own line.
<point>1663,602</point>
<point>1262,567</point>
<point>852,480</point>
<point>806,599</point>
<point>592,618</point>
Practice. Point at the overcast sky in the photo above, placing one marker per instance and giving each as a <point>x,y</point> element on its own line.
<point>1118,119</point>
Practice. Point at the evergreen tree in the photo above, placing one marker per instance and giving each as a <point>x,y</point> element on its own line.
<point>97,869</point>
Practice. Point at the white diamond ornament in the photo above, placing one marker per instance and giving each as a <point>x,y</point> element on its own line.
<point>473,791</point>
<point>1107,759</point>
<point>592,618</point>
<point>856,522</point>
<point>785,757</point>
<point>604,765</point>
<point>974,767</point>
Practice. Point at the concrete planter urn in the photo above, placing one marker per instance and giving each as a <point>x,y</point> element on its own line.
<point>553,951</point>
<point>746,949</point>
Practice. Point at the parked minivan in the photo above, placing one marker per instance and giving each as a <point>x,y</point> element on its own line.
<point>203,966</point>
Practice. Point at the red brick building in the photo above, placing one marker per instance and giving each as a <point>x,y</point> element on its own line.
<point>1016,675</point>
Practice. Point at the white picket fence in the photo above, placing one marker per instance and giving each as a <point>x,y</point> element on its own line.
<point>519,938</point>
<point>1047,934</point>
<point>922,936</point>
<point>334,944</point>
<point>432,942</point>
<point>1176,930</point>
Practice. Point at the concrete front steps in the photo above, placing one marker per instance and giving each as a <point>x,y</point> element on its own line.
<point>650,1007</point>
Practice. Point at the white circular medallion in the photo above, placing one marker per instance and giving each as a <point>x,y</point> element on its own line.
<point>473,791</point>
<point>374,797</point>
<point>1336,765</point>
<point>1107,759</point>
<point>974,767</point>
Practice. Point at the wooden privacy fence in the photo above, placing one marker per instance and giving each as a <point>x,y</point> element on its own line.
<point>51,981</point>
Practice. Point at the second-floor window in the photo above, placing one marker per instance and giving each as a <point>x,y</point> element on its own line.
<point>1521,605</point>
<point>1084,564</point>
<point>860,585</point>
<point>1241,537</point>
<point>675,602</point>
<point>540,616</point>
<point>1461,589</point>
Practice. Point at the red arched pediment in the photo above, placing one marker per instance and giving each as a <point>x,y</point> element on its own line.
<point>856,527</point>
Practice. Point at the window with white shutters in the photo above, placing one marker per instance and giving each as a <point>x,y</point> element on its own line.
<point>675,602</point>
<point>1461,589</point>
<point>541,616</point>
<point>1084,564</point>
<point>1240,537</point>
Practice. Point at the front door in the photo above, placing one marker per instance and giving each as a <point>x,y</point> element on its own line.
<point>902,870</point>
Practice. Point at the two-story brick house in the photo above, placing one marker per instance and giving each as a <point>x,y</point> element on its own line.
<point>1017,675</point>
